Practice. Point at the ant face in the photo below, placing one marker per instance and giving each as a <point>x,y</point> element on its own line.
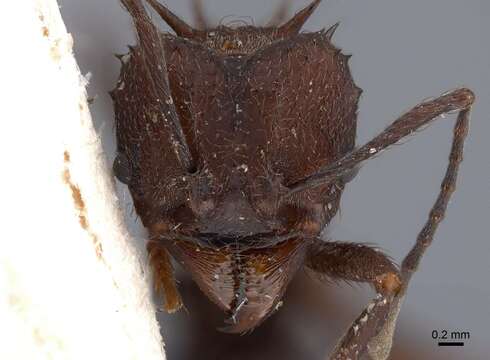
<point>236,144</point>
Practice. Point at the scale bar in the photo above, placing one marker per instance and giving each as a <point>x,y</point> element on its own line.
<point>451,343</point>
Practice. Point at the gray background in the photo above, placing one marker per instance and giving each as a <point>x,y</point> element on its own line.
<point>404,51</point>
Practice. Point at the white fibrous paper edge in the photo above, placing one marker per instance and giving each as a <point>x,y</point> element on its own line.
<point>73,284</point>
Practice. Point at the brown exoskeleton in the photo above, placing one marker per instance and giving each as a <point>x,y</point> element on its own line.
<point>236,144</point>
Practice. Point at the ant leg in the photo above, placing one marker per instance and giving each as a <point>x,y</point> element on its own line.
<point>438,210</point>
<point>163,276</point>
<point>374,328</point>
<point>354,262</point>
<point>150,57</point>
<point>422,114</point>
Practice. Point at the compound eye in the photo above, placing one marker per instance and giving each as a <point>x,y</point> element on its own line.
<point>122,168</point>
